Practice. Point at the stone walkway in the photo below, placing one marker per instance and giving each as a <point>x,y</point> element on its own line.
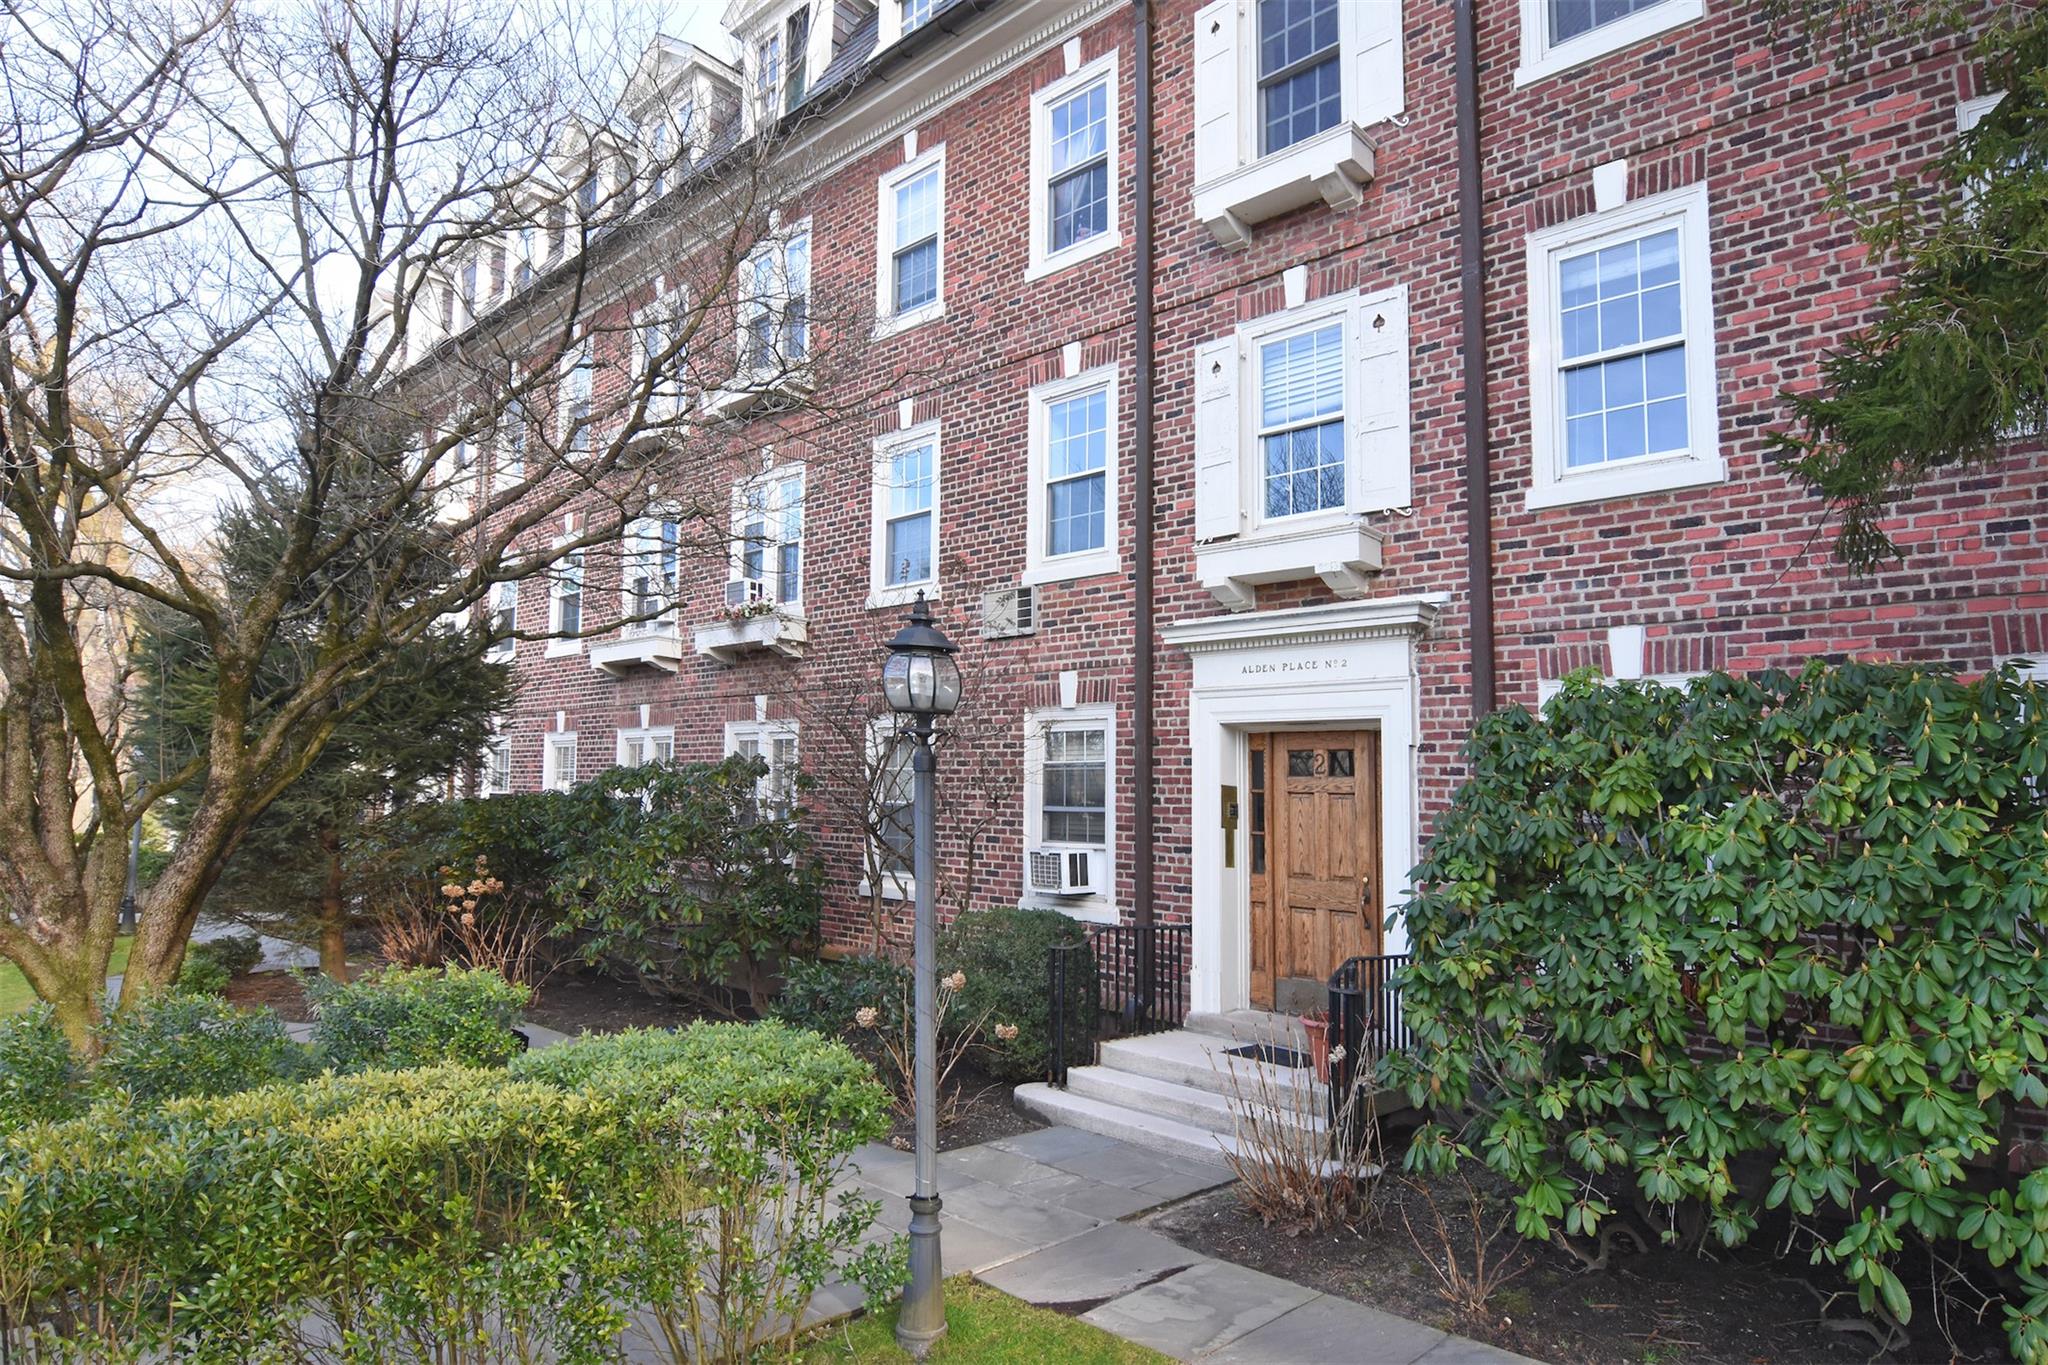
<point>1045,1216</point>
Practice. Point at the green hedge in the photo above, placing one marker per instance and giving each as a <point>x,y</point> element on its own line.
<point>37,1070</point>
<point>178,1045</point>
<point>1004,954</point>
<point>1836,881</point>
<point>450,1212</point>
<point>407,1017</point>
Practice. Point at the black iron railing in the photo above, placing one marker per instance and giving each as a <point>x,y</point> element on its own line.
<point>1114,980</point>
<point>1366,1022</point>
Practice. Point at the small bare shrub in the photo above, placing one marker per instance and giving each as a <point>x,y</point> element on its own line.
<point>1289,1173</point>
<point>1471,1268</point>
<point>897,1039</point>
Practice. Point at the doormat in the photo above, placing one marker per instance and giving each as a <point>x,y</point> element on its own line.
<point>1270,1055</point>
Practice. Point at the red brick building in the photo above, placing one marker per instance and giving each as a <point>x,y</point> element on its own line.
<point>1267,569</point>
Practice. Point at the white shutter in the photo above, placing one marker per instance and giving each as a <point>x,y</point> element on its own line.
<point>1217,87</point>
<point>1218,429</point>
<point>1372,61</point>
<point>1378,403</point>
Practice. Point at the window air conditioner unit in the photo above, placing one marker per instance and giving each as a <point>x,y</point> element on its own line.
<point>1007,612</point>
<point>1065,871</point>
<point>742,591</point>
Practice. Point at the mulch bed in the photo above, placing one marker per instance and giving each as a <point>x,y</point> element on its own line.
<point>284,992</point>
<point>1656,1307</point>
<point>984,1114</point>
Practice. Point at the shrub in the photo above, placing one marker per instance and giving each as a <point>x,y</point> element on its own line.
<point>1770,943</point>
<point>37,1069</point>
<point>447,1212</point>
<point>679,877</point>
<point>1004,954</point>
<point>237,954</point>
<point>203,975</point>
<point>761,1119</point>
<point>409,1017</point>
<point>176,1045</point>
<point>824,996</point>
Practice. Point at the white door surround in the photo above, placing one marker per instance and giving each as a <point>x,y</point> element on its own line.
<point>1340,665</point>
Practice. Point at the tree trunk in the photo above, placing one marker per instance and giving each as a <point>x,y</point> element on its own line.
<point>333,911</point>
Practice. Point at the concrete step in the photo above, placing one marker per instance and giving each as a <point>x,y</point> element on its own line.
<point>1149,1131</point>
<point>1206,1109</point>
<point>1250,1026</point>
<point>1196,1060</point>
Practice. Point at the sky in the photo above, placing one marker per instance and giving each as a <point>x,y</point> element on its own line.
<point>696,21</point>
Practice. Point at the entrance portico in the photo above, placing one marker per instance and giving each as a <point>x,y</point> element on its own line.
<point>1344,673</point>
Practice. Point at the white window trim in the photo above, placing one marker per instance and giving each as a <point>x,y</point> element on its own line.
<point>881,592</point>
<point>1338,308</point>
<point>1100,908</point>
<point>581,356</point>
<point>1546,688</point>
<point>669,304</point>
<point>502,651</point>
<point>2032,666</point>
<point>771,478</point>
<point>777,244</point>
<point>896,886</point>
<point>574,644</point>
<point>496,743</point>
<point>1039,566</point>
<point>1541,58</point>
<point>554,745</point>
<point>1041,261</point>
<point>765,733</point>
<point>1551,484</point>
<point>631,550</point>
<point>887,320</point>
<point>1971,112</point>
<point>515,417</point>
<point>645,734</point>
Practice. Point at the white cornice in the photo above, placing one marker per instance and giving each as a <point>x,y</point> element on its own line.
<point>1372,619</point>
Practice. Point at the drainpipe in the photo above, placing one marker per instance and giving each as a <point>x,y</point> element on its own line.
<point>1472,303</point>
<point>1141,502</point>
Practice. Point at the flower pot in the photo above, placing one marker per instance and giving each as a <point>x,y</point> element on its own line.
<point>1318,1031</point>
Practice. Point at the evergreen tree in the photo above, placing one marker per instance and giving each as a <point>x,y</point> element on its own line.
<point>1955,366</point>
<point>409,731</point>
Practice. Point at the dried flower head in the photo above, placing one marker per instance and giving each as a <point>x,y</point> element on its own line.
<point>1338,1054</point>
<point>467,919</point>
<point>452,891</point>
<point>447,871</point>
<point>478,887</point>
<point>957,981</point>
<point>1006,1032</point>
<point>865,1016</point>
<point>468,905</point>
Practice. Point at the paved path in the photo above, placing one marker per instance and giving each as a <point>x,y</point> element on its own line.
<point>1045,1216</point>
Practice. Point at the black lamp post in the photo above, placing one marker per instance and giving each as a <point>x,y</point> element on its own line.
<point>922,682</point>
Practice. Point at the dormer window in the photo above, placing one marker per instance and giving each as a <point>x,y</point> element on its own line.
<point>586,195</point>
<point>768,68</point>
<point>916,13</point>
<point>794,84</point>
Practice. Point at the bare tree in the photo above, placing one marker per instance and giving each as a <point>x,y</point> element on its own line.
<point>239,252</point>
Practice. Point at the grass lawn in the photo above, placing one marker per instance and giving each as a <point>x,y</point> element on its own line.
<point>985,1327</point>
<point>15,996</point>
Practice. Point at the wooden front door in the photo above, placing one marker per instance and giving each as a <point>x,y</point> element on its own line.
<point>1314,845</point>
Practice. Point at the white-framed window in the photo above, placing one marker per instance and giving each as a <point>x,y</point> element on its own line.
<point>894,796</point>
<point>558,761</point>
<point>775,304</point>
<point>650,560</point>
<point>565,603</point>
<point>1560,34</point>
<point>494,776</point>
<point>1275,76</point>
<point>1621,353</point>
<point>504,620</point>
<point>797,47</point>
<point>1070,800</point>
<point>1074,162</point>
<point>915,13</point>
<point>1072,521</point>
<point>508,461</point>
<point>774,742</point>
<point>658,348</point>
<point>768,537</point>
<point>906,517</point>
<point>646,744</point>
<point>910,243</point>
<point>1971,112</point>
<point>1301,417</point>
<point>579,370</point>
